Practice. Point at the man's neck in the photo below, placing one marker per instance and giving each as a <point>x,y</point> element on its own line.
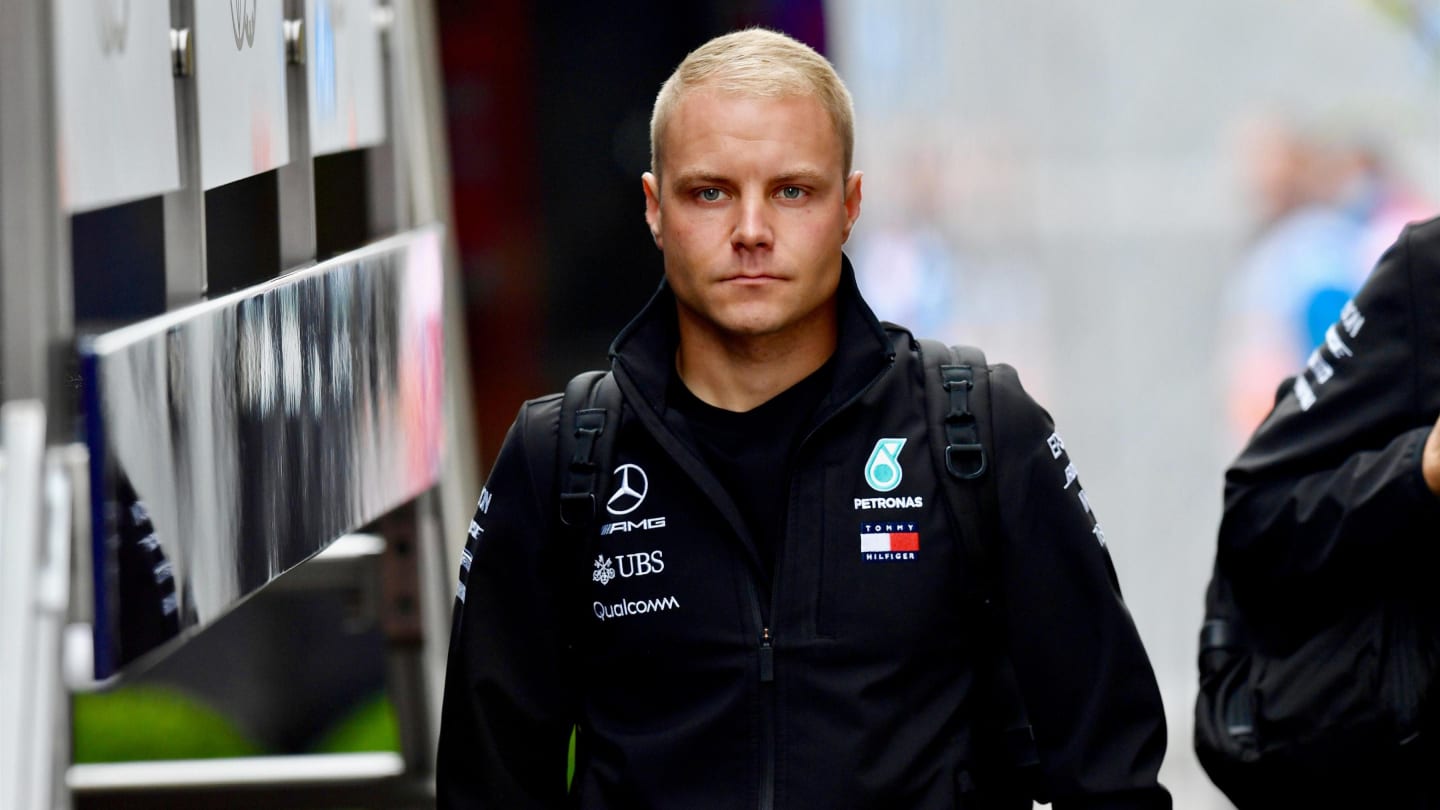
<point>739,373</point>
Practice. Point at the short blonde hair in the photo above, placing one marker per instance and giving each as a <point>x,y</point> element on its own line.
<point>757,62</point>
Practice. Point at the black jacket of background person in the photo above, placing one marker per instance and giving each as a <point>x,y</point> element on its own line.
<point>871,698</point>
<point>1328,502</point>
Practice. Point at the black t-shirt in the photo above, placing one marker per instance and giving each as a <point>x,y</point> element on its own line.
<point>750,451</point>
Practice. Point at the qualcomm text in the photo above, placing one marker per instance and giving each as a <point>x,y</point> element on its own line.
<point>633,607</point>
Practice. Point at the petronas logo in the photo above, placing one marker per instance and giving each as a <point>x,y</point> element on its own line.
<point>882,471</point>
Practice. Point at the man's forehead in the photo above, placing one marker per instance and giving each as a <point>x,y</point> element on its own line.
<point>690,97</point>
<point>694,122</point>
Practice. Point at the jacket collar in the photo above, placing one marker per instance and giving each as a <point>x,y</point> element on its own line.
<point>644,351</point>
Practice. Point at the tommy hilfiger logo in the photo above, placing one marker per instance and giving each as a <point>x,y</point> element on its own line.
<point>888,542</point>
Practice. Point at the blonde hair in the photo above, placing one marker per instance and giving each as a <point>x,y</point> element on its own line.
<point>757,62</point>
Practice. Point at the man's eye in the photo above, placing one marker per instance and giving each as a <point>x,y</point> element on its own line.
<point>710,194</point>
<point>792,192</point>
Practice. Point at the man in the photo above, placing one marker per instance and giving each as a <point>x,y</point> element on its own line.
<point>1332,512</point>
<point>724,641</point>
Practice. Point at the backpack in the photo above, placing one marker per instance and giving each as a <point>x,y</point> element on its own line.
<point>957,402</point>
<point>1328,714</point>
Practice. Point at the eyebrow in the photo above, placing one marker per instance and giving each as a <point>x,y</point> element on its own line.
<point>689,179</point>
<point>702,178</point>
<point>806,176</point>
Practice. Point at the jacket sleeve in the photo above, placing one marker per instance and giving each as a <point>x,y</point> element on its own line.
<point>1086,681</point>
<point>1331,484</point>
<point>508,704</point>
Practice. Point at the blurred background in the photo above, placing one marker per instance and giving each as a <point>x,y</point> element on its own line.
<point>1152,210</point>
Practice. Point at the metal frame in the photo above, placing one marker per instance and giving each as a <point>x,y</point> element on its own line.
<point>320,780</point>
<point>185,277</point>
<point>29,673</point>
<point>37,333</point>
<point>296,179</point>
<point>36,301</point>
<point>368,566</point>
<point>390,208</point>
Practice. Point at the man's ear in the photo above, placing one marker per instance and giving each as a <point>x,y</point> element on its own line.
<point>852,200</point>
<point>652,206</point>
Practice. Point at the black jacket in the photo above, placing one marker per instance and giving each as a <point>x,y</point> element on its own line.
<point>1328,496</point>
<point>848,684</point>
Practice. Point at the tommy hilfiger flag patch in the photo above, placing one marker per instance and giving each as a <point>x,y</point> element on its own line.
<point>883,542</point>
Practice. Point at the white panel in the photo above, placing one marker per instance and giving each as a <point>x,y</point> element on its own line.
<point>116,105</point>
<point>223,416</point>
<point>346,95</point>
<point>240,75</point>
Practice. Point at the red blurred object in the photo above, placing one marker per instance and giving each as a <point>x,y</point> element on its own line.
<point>487,59</point>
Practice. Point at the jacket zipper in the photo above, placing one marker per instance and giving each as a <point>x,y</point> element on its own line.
<point>767,721</point>
<point>767,657</point>
<point>766,675</point>
<point>767,648</point>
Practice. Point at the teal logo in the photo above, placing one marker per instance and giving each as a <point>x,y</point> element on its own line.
<point>882,471</point>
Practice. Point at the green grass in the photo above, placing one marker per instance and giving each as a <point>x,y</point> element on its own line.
<point>143,723</point>
<point>371,726</point>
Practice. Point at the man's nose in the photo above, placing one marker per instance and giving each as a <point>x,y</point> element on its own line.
<point>752,227</point>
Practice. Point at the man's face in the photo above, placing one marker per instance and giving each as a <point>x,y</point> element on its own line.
<point>751,209</point>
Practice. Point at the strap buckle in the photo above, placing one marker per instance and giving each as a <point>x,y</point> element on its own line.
<point>577,508</point>
<point>951,382</point>
<point>577,502</point>
<point>585,438</point>
<point>965,461</point>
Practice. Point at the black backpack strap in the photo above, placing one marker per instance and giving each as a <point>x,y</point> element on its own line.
<point>589,412</point>
<point>584,459</point>
<point>964,452</point>
<point>957,398</point>
<point>957,394</point>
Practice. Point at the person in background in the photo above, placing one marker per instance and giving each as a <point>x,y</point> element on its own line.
<point>1327,205</point>
<point>1333,507</point>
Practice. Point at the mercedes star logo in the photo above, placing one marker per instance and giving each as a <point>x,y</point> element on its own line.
<point>627,498</point>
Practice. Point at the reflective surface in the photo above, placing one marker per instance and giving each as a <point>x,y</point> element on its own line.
<point>240,87</point>
<point>231,440</point>
<point>344,69</point>
<point>115,102</point>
